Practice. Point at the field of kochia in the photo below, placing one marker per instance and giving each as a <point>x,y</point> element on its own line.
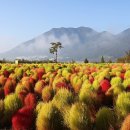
<point>65,96</point>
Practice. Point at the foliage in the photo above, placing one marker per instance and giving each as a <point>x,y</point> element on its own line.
<point>105,119</point>
<point>126,123</point>
<point>102,60</point>
<point>54,48</point>
<point>63,98</point>
<point>11,104</point>
<point>79,117</point>
<point>123,104</point>
<point>49,118</point>
<point>86,60</point>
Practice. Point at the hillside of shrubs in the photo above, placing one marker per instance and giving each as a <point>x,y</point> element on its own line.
<point>62,96</point>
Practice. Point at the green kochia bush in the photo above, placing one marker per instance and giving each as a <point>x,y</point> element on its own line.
<point>96,84</point>
<point>49,118</point>
<point>117,85</point>
<point>38,107</point>
<point>105,119</point>
<point>89,97</point>
<point>66,115</point>
<point>127,74</point>
<point>62,98</point>
<point>47,94</point>
<point>19,88</point>
<point>79,117</point>
<point>11,104</point>
<point>116,81</point>
<point>126,83</point>
<point>123,104</point>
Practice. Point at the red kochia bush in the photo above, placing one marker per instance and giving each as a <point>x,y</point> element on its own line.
<point>9,86</point>
<point>22,95</point>
<point>40,72</point>
<point>23,119</point>
<point>62,85</point>
<point>6,73</point>
<point>2,80</point>
<point>30,100</point>
<point>122,75</point>
<point>105,85</point>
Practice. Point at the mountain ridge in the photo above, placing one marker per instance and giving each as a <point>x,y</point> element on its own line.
<point>87,42</point>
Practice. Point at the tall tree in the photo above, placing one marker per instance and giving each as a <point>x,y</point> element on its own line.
<point>54,48</point>
<point>102,60</point>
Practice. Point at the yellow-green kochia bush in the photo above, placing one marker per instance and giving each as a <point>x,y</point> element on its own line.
<point>19,88</point>
<point>47,93</point>
<point>19,73</point>
<point>116,86</point>
<point>11,104</point>
<point>127,74</point>
<point>105,119</point>
<point>49,118</point>
<point>116,81</point>
<point>38,107</point>
<point>79,117</point>
<point>66,115</point>
<point>126,83</point>
<point>39,86</point>
<point>123,104</point>
<point>89,97</point>
<point>63,98</point>
<point>96,84</point>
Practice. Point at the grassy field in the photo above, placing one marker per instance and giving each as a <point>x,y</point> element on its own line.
<point>65,96</point>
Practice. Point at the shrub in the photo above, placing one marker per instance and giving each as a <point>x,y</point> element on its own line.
<point>79,117</point>
<point>47,94</point>
<point>126,123</point>
<point>49,118</point>
<point>23,119</point>
<point>105,119</point>
<point>30,100</point>
<point>11,103</point>
<point>62,98</point>
<point>89,97</point>
<point>39,86</point>
<point>123,104</point>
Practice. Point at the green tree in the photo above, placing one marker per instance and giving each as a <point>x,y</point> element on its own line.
<point>127,56</point>
<point>102,60</point>
<point>86,60</point>
<point>54,48</point>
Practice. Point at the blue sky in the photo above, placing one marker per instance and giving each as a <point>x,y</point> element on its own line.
<point>21,20</point>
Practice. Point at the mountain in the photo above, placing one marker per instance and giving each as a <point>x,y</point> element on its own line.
<point>79,43</point>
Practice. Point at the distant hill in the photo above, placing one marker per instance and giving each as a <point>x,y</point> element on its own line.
<point>79,43</point>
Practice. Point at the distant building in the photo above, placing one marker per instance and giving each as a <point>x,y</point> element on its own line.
<point>16,61</point>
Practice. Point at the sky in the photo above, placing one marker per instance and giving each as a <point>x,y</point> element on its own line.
<point>22,20</point>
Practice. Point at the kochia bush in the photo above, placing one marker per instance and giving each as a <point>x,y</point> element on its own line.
<point>49,118</point>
